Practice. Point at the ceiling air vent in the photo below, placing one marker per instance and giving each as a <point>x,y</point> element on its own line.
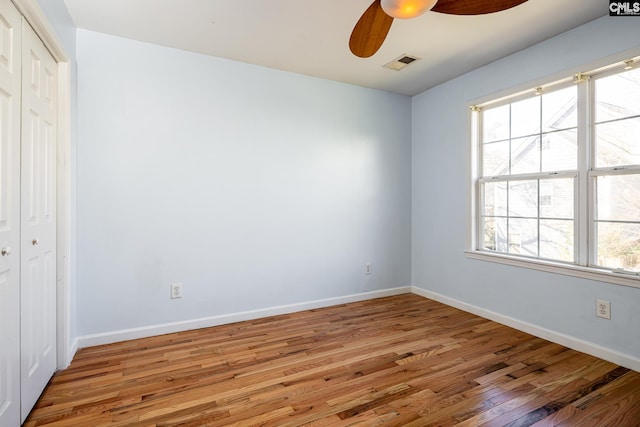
<point>400,62</point>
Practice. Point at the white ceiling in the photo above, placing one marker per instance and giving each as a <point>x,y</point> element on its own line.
<point>312,37</point>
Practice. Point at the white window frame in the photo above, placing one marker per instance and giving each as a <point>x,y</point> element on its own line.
<point>585,176</point>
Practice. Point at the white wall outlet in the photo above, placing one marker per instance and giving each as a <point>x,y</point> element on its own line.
<point>176,290</point>
<point>603,309</point>
<point>367,268</point>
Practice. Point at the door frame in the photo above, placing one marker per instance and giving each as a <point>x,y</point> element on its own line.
<point>64,197</point>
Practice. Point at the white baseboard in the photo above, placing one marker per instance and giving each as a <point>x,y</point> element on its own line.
<point>71,351</point>
<point>65,357</point>
<point>621,359</point>
<point>167,328</point>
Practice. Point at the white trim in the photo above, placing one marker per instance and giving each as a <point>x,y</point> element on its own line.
<point>474,199</point>
<point>590,273</point>
<point>223,319</point>
<point>583,207</point>
<point>38,21</point>
<point>622,359</point>
<point>72,349</point>
<point>63,215</point>
<point>36,18</point>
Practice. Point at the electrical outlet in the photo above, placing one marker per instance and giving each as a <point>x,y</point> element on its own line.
<point>176,290</point>
<point>367,268</point>
<point>603,309</point>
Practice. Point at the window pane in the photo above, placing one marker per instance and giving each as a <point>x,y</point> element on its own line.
<point>497,228</point>
<point>618,198</point>
<point>618,96</point>
<point>559,109</point>
<point>556,240</point>
<point>525,155</point>
<point>523,198</point>
<point>495,124</point>
<point>556,198</point>
<point>618,143</point>
<point>525,117</point>
<point>560,151</point>
<point>495,199</point>
<point>495,234</point>
<point>489,227</point>
<point>523,237</point>
<point>495,158</point>
<point>618,245</point>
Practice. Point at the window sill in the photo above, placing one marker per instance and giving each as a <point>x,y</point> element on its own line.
<point>558,268</point>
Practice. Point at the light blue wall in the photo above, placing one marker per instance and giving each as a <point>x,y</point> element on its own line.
<point>252,187</point>
<point>255,188</point>
<point>440,200</point>
<point>63,25</point>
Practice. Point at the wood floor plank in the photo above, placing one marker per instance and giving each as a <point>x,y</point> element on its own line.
<point>397,361</point>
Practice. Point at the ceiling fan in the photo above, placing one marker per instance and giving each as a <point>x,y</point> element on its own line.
<point>374,24</point>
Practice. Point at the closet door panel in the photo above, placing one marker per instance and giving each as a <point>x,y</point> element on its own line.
<point>38,226</point>
<point>10,58</point>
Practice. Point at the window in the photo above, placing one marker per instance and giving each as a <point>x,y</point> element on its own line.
<point>615,171</point>
<point>559,172</point>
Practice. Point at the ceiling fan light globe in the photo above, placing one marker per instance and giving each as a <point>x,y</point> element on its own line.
<point>405,9</point>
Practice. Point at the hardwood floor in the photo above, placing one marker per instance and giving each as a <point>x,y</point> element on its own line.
<point>402,360</point>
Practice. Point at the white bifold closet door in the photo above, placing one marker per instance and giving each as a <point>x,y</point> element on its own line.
<point>38,219</point>
<point>27,216</point>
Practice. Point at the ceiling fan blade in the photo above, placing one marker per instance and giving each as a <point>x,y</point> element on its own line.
<point>474,7</point>
<point>370,31</point>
